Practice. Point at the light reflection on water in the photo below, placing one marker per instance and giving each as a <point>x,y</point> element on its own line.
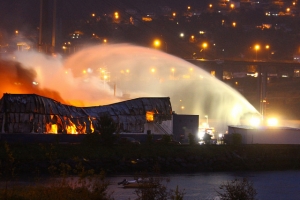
<point>279,185</point>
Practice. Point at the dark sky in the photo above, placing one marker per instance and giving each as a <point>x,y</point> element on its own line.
<point>24,14</point>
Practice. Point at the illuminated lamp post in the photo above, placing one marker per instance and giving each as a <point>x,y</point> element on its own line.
<point>257,47</point>
<point>156,43</point>
<point>206,116</point>
<point>204,46</point>
<point>267,48</point>
<point>116,15</point>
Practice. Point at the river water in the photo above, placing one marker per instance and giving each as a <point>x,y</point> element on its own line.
<point>277,185</point>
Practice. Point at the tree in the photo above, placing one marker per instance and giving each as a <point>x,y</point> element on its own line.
<point>192,139</point>
<point>166,139</point>
<point>107,127</point>
<point>207,138</point>
<point>237,190</point>
<point>160,190</point>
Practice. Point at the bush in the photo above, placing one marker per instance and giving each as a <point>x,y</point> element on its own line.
<point>160,190</point>
<point>192,139</point>
<point>149,139</point>
<point>237,190</point>
<point>107,127</point>
<point>207,138</point>
<point>166,139</point>
<point>93,188</point>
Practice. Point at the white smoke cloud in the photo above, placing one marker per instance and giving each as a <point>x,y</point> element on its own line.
<point>105,74</point>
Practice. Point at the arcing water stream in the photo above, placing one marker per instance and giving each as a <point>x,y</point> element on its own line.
<point>107,74</point>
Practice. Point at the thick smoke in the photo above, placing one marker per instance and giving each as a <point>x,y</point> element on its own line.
<point>105,74</point>
<point>15,79</point>
<point>51,75</point>
<point>143,72</point>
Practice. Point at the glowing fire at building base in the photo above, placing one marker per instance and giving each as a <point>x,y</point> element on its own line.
<point>30,113</point>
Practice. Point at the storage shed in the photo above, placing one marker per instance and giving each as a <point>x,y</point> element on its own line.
<point>267,134</point>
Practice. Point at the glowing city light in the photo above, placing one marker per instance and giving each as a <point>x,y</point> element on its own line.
<point>156,43</point>
<point>272,122</point>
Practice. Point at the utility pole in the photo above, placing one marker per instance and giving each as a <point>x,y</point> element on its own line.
<point>54,26</point>
<point>41,26</point>
<point>47,38</point>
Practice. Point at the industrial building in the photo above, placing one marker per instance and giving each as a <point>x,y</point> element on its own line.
<point>266,134</point>
<point>33,114</point>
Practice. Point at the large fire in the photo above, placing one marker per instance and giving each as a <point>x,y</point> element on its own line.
<point>56,126</point>
<point>16,79</point>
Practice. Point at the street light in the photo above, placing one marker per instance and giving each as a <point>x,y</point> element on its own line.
<point>257,47</point>
<point>156,43</point>
<point>204,46</point>
<point>267,47</point>
<point>206,116</point>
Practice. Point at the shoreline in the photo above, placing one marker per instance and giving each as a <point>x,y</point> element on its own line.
<point>32,159</point>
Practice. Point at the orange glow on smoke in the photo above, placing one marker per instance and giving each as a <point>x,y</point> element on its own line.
<point>17,80</point>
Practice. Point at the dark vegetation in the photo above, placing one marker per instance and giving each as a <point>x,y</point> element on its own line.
<point>32,159</point>
<point>100,151</point>
<point>90,162</point>
<point>237,189</point>
<point>92,159</point>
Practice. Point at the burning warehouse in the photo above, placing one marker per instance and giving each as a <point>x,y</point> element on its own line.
<point>31,113</point>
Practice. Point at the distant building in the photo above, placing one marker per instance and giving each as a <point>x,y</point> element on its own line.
<point>267,135</point>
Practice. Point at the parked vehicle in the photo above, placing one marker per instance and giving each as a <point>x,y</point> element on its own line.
<point>128,140</point>
<point>174,142</point>
<point>137,183</point>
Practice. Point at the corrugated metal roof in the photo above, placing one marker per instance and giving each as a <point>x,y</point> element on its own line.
<point>34,109</point>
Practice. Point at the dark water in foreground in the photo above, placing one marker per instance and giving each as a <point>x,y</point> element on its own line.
<point>278,185</point>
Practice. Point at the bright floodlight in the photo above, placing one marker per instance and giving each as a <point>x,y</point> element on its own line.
<point>272,122</point>
<point>201,133</point>
<point>254,121</point>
